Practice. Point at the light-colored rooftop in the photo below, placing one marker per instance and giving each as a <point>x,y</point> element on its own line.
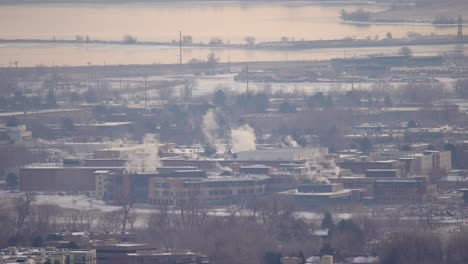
<point>7,114</point>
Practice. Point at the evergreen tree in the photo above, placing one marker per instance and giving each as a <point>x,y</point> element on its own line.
<point>327,221</point>
<point>219,98</point>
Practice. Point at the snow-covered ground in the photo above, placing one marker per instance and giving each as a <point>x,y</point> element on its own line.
<point>83,202</point>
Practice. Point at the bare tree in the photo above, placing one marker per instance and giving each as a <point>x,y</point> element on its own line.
<point>161,226</point>
<point>82,220</point>
<point>188,86</point>
<point>216,41</point>
<point>47,218</point>
<point>6,222</point>
<point>405,51</point>
<point>455,250</point>
<point>23,209</point>
<point>126,204</point>
<point>422,92</point>
<point>129,39</point>
<point>166,91</point>
<point>159,220</point>
<point>109,223</point>
<point>411,247</point>
<point>250,40</point>
<point>187,39</point>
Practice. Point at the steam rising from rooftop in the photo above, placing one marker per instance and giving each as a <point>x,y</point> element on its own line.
<point>315,175</point>
<point>143,158</point>
<point>209,127</point>
<point>288,141</point>
<point>243,139</point>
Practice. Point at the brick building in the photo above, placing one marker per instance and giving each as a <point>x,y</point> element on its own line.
<point>60,178</point>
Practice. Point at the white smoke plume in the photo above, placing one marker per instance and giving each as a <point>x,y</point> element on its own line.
<point>315,175</point>
<point>335,168</point>
<point>210,127</point>
<point>143,158</point>
<point>223,169</point>
<point>243,139</point>
<point>288,141</point>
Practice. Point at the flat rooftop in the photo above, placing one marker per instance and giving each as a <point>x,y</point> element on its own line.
<point>8,114</point>
<point>338,194</point>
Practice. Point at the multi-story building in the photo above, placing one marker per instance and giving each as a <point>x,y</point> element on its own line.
<point>112,186</point>
<point>401,190</point>
<point>441,160</point>
<point>408,166</point>
<point>46,177</point>
<point>211,189</point>
<point>423,164</point>
<point>104,184</point>
<point>360,167</point>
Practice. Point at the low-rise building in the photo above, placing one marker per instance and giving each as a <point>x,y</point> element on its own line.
<point>360,167</point>
<point>400,190</point>
<point>167,257</point>
<point>119,253</point>
<point>372,173</point>
<point>83,256</point>
<point>47,255</point>
<point>286,154</point>
<point>319,194</point>
<point>16,134</point>
<point>356,182</point>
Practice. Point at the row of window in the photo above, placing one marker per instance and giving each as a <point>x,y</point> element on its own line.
<point>211,192</point>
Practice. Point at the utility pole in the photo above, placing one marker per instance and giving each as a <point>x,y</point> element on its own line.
<point>146,94</point>
<point>180,47</point>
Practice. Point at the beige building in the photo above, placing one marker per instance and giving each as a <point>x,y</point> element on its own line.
<point>427,162</point>
<point>103,183</point>
<point>17,134</point>
<point>47,255</point>
<point>84,256</point>
<point>215,190</point>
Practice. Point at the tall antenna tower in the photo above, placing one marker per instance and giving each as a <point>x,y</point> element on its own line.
<point>460,52</point>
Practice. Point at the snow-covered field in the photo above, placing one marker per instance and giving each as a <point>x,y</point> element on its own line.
<point>82,202</point>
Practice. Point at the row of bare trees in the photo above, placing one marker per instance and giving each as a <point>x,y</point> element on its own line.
<point>268,229</point>
<point>26,222</point>
<point>233,235</point>
<point>424,247</point>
